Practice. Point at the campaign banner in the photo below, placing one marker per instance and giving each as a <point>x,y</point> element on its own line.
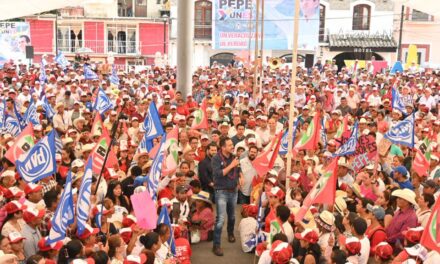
<point>366,151</point>
<point>14,37</point>
<point>234,23</point>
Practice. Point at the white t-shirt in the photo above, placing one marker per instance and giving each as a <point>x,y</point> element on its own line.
<point>288,231</point>
<point>247,229</point>
<point>265,258</point>
<point>365,250</point>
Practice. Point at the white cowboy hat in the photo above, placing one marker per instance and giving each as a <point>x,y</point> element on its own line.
<point>406,194</point>
<point>141,152</point>
<point>77,120</point>
<point>88,147</point>
<point>343,162</point>
<point>202,196</point>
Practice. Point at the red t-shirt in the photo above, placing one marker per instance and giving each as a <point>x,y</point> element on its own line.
<point>183,250</point>
<point>375,235</point>
<point>269,218</point>
<point>166,193</point>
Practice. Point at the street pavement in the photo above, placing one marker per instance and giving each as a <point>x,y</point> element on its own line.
<point>202,252</point>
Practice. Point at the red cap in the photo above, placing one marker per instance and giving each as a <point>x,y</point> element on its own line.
<point>276,191</point>
<point>352,244</point>
<point>13,192</point>
<point>30,214</point>
<point>14,206</point>
<point>132,259</point>
<point>383,250</point>
<point>15,237</point>
<point>413,235</point>
<point>125,234</point>
<point>250,209</point>
<point>129,220</point>
<point>43,246</point>
<point>88,231</point>
<point>32,187</point>
<point>308,235</point>
<point>177,231</point>
<point>100,208</point>
<point>281,252</point>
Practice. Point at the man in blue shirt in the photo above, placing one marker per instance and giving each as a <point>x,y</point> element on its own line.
<point>399,176</point>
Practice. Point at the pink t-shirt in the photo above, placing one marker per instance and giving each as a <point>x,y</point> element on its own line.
<point>368,193</point>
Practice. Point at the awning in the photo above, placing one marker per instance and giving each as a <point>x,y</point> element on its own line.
<point>362,43</point>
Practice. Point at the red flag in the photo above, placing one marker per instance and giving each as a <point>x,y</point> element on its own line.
<point>310,139</point>
<point>431,235</point>
<point>22,144</point>
<point>420,164</point>
<point>97,125</point>
<point>98,154</point>
<point>265,161</point>
<point>200,117</point>
<point>323,192</point>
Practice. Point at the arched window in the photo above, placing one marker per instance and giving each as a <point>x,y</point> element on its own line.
<point>361,17</point>
<point>203,19</point>
<point>321,22</point>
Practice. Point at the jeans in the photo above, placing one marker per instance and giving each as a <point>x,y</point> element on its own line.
<point>225,202</point>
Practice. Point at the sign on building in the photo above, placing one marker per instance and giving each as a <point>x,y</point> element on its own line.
<point>234,23</point>
<point>14,37</point>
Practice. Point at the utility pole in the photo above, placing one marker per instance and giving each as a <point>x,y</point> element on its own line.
<point>399,51</point>
<point>56,33</point>
<point>185,40</point>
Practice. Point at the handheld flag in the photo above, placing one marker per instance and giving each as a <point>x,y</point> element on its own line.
<point>114,79</point>
<point>323,192</point>
<point>431,235</point>
<point>89,74</point>
<point>164,218</point>
<point>98,216</point>
<point>61,60</point>
<point>323,134</point>
<point>99,152</point>
<point>31,114</point>
<point>102,102</point>
<point>43,76</point>
<point>39,162</point>
<point>64,214</point>
<point>58,143</point>
<point>284,139</point>
<point>402,132</point>
<point>156,169</point>
<point>83,203</point>
<point>23,143</point>
<point>152,125</point>
<point>200,117</point>
<point>97,125</point>
<point>265,161</point>
<point>275,228</point>
<point>171,152</point>
<point>48,109</point>
<point>19,117</point>
<point>2,113</point>
<point>341,130</point>
<point>11,126</point>
<point>310,139</point>
<point>397,100</point>
<point>349,147</point>
<point>420,164</point>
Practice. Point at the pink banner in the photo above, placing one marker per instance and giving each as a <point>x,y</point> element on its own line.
<point>144,210</point>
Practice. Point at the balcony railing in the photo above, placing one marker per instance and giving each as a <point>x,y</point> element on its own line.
<point>100,46</point>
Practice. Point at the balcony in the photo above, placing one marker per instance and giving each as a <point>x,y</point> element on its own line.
<point>100,47</point>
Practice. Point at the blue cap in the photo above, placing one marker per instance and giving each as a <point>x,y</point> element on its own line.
<point>377,211</point>
<point>401,169</point>
<point>139,180</point>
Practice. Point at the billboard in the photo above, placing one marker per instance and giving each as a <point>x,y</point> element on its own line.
<point>234,24</point>
<point>14,37</point>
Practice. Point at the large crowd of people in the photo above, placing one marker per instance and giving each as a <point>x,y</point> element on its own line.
<point>379,214</point>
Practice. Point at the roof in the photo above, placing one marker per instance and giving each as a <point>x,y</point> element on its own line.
<point>350,41</point>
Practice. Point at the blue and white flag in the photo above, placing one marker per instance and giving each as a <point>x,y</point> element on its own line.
<point>48,109</point>
<point>255,239</point>
<point>58,143</point>
<point>156,169</point>
<point>19,117</point>
<point>83,203</point>
<point>397,100</point>
<point>64,214</point>
<point>152,125</point>
<point>39,162</point>
<point>145,144</point>
<point>323,133</point>
<point>102,102</point>
<point>2,113</point>
<point>164,218</point>
<point>61,60</point>
<point>89,74</point>
<point>402,132</point>
<point>31,114</point>
<point>114,79</point>
<point>43,62</point>
<point>43,76</point>
<point>98,216</point>
<point>11,126</point>
<point>284,140</point>
<point>349,147</point>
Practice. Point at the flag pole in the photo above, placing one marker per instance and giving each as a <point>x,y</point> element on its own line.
<point>260,85</point>
<point>292,94</point>
<point>256,62</point>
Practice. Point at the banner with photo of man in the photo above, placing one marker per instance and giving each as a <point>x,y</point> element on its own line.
<point>234,24</point>
<point>14,37</point>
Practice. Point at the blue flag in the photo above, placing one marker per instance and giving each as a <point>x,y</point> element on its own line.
<point>349,147</point>
<point>19,117</point>
<point>402,132</point>
<point>102,102</point>
<point>284,140</point>
<point>164,218</point>
<point>43,76</point>
<point>83,203</point>
<point>397,67</point>
<point>39,162</point>
<point>2,113</point>
<point>396,100</point>
<point>58,143</point>
<point>98,216</point>
<point>11,126</point>
<point>31,114</point>
<point>61,60</point>
<point>156,170</point>
<point>114,79</point>
<point>89,74</point>
<point>152,125</point>
<point>48,109</point>
<point>64,214</point>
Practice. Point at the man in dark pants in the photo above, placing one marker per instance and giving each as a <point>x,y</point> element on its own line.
<point>205,170</point>
<point>226,172</point>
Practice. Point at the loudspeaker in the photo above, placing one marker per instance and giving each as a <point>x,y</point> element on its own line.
<point>309,61</point>
<point>29,52</point>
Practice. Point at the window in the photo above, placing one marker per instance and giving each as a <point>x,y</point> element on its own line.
<point>321,23</point>
<point>121,39</point>
<point>203,19</point>
<point>419,57</point>
<point>140,9</point>
<point>419,16</point>
<point>125,8</point>
<point>361,17</point>
<point>69,37</point>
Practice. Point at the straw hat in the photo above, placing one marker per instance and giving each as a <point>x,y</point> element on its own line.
<point>406,194</point>
<point>340,205</point>
<point>308,220</point>
<point>326,220</point>
<point>202,196</point>
<point>140,153</point>
<point>88,147</point>
<point>343,162</point>
<point>77,120</point>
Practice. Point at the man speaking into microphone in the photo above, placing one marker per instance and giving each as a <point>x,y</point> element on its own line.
<point>226,173</point>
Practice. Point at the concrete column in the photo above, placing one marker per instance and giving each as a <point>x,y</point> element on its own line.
<point>185,41</point>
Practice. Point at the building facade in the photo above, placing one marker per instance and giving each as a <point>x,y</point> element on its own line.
<point>134,32</point>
